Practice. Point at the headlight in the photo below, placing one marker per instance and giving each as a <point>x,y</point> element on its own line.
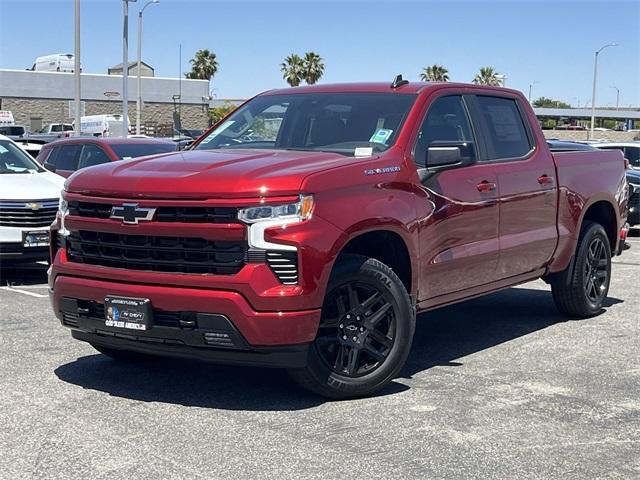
<point>63,211</point>
<point>289,213</point>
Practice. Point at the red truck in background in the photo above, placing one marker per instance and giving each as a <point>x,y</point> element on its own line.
<point>308,228</point>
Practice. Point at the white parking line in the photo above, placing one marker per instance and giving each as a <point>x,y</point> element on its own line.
<point>24,292</point>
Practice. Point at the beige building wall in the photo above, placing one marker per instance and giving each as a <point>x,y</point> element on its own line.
<point>584,135</point>
<point>28,111</point>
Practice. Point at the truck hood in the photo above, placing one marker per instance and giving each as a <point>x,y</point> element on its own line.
<point>205,174</point>
<point>30,186</point>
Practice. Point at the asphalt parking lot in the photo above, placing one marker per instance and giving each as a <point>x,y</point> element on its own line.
<point>497,387</point>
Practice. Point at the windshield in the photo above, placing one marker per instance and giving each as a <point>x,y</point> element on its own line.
<point>12,130</point>
<point>132,150</point>
<point>14,160</point>
<point>346,123</point>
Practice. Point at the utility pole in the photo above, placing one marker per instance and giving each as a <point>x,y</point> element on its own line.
<point>125,68</point>
<point>76,68</point>
<point>139,92</point>
<point>593,93</point>
<point>531,88</point>
<point>617,97</point>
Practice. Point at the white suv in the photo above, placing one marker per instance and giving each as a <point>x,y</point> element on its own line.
<point>29,197</point>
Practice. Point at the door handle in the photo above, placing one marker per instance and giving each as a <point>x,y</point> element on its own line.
<point>485,186</point>
<point>545,179</point>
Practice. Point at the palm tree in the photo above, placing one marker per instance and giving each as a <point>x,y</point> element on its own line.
<point>203,66</point>
<point>434,73</point>
<point>293,69</point>
<point>487,76</point>
<point>313,67</point>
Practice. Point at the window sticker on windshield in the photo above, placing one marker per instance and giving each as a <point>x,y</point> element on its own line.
<point>381,136</point>
<point>218,131</point>
<point>363,152</point>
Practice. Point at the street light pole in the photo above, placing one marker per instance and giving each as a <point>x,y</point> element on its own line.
<point>76,69</point>
<point>138,83</point>
<point>617,97</point>
<point>593,93</point>
<point>531,88</point>
<point>125,68</point>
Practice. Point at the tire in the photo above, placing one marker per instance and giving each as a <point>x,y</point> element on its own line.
<point>122,355</point>
<point>365,331</point>
<point>580,292</point>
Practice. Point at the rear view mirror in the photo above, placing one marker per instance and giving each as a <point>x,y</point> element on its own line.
<point>446,154</point>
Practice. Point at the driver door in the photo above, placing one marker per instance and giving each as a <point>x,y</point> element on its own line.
<point>459,231</point>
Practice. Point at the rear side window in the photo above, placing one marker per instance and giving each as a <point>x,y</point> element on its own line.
<point>92,155</point>
<point>633,155</point>
<point>66,158</point>
<point>505,129</point>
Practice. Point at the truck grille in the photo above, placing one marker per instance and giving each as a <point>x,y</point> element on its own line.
<point>28,213</point>
<point>163,214</point>
<point>285,265</point>
<point>161,254</point>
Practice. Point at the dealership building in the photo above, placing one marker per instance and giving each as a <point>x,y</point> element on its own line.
<point>37,98</point>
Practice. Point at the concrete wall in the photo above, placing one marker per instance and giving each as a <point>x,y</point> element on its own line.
<point>584,135</point>
<point>31,95</point>
<point>55,111</point>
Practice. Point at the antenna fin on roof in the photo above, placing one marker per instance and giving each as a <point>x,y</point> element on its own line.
<point>398,81</point>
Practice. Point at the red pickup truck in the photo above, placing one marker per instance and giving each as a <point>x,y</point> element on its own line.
<point>308,228</point>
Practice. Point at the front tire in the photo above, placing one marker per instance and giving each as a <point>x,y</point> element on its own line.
<point>365,331</point>
<point>581,292</point>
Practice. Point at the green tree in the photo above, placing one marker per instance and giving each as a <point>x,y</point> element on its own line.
<point>203,66</point>
<point>487,76</point>
<point>218,113</point>
<point>292,69</point>
<point>544,102</point>
<point>313,67</point>
<point>434,73</point>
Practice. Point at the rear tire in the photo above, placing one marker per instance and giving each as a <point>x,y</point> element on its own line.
<point>580,292</point>
<point>122,355</point>
<point>365,332</point>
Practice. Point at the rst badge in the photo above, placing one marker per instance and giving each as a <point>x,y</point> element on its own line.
<point>132,213</point>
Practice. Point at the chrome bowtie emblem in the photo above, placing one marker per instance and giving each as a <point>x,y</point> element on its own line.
<point>132,213</point>
<point>33,205</point>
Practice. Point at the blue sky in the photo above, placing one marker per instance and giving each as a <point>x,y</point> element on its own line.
<point>552,42</point>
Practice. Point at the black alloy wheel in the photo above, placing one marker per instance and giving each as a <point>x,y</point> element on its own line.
<point>596,271</point>
<point>357,329</point>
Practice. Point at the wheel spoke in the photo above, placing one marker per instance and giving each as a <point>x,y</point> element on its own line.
<point>326,340</point>
<point>329,322</point>
<point>603,262</point>
<point>342,306</point>
<point>374,352</point>
<point>353,297</point>
<point>380,338</point>
<point>378,315</point>
<point>352,360</point>
<point>370,302</point>
<point>601,274</point>
<point>339,363</point>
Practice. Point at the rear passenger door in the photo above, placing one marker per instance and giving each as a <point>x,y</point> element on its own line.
<point>65,158</point>
<point>527,185</point>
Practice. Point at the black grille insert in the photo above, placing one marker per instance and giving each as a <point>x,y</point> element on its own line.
<point>161,254</point>
<point>163,214</point>
<point>285,265</point>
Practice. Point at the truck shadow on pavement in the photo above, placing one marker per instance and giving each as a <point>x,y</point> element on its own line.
<point>442,337</point>
<point>23,273</point>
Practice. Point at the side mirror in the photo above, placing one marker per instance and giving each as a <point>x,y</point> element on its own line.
<point>50,167</point>
<point>448,154</point>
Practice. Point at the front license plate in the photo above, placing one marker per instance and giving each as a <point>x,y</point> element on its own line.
<point>129,313</point>
<point>35,239</point>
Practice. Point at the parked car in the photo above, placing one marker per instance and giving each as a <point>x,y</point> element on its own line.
<point>313,247</point>
<point>65,156</point>
<point>633,178</point>
<point>29,198</point>
<point>631,150</point>
<point>13,131</point>
<point>32,147</point>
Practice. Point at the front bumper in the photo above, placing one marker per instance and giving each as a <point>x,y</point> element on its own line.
<point>193,323</point>
<point>15,251</point>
